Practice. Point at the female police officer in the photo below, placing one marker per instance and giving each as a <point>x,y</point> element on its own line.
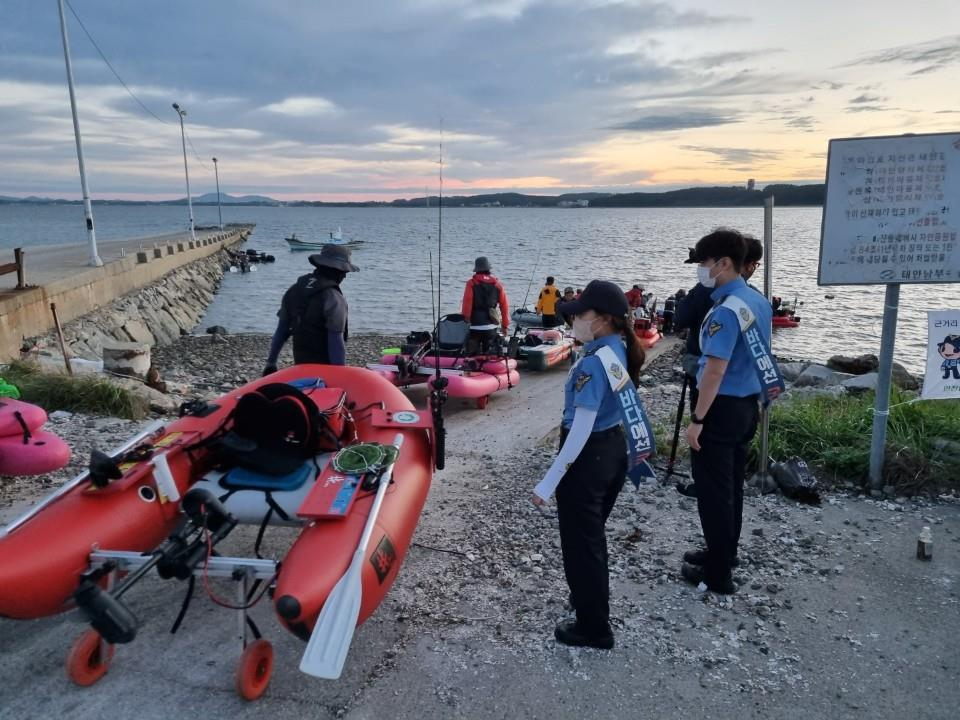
<point>592,463</point>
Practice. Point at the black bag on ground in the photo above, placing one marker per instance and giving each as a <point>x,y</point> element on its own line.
<point>796,481</point>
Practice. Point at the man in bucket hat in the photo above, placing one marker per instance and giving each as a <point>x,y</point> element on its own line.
<point>314,312</point>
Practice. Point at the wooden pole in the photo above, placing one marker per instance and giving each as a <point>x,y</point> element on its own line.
<point>63,345</point>
<point>19,258</point>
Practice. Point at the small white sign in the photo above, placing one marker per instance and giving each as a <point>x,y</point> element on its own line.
<point>892,211</point>
<point>942,378</point>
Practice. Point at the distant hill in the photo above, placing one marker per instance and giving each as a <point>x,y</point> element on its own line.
<point>718,197</point>
<point>211,199</point>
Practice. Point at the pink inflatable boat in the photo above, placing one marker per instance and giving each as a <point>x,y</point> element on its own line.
<point>25,449</point>
<point>476,378</point>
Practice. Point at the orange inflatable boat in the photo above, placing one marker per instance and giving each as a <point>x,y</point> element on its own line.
<point>261,454</point>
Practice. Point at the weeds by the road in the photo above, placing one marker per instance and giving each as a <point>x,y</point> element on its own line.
<point>85,393</point>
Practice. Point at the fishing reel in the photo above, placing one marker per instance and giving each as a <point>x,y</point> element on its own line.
<point>205,523</point>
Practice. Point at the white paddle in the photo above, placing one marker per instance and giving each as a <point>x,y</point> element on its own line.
<point>328,646</point>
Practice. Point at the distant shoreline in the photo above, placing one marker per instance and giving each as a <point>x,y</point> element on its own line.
<point>706,197</point>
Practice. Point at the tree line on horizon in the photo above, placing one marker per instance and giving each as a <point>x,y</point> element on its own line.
<point>718,196</point>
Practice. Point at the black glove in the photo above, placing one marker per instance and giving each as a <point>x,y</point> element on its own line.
<point>268,370</point>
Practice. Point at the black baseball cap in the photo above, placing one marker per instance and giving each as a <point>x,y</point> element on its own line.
<point>600,295</point>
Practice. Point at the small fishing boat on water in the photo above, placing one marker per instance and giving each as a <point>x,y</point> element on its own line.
<point>336,238</point>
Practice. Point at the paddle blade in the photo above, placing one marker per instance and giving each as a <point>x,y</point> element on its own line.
<point>328,646</point>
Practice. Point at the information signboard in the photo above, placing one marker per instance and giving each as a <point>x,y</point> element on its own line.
<point>892,211</point>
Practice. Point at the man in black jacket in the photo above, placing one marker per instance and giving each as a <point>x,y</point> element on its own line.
<point>314,312</point>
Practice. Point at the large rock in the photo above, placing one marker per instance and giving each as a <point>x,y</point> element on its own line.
<point>126,358</point>
<point>791,370</point>
<point>155,399</point>
<point>860,365</point>
<point>861,383</point>
<point>903,379</point>
<point>819,376</point>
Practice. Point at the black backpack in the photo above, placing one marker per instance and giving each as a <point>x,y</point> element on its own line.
<point>272,430</point>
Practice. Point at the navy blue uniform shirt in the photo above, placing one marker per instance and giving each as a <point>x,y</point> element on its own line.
<point>720,337</point>
<point>587,385</point>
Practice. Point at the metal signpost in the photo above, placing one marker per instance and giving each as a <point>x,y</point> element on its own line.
<point>891,216</point>
<point>764,468</point>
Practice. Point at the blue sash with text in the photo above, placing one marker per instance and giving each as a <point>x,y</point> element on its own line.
<point>768,372</point>
<point>636,425</point>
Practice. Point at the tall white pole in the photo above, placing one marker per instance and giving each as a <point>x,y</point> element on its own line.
<point>87,207</point>
<point>216,173</point>
<point>186,172</point>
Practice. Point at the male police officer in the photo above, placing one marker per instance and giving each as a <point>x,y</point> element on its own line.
<point>314,312</point>
<point>735,342</point>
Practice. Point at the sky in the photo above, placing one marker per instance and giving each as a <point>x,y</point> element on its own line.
<point>346,101</point>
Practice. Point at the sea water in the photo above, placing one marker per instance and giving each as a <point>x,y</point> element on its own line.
<point>392,291</point>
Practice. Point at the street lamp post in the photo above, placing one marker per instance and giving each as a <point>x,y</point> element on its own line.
<point>217,175</point>
<point>87,208</point>
<point>186,172</point>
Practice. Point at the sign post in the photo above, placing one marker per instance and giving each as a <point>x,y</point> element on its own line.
<point>768,292</point>
<point>891,216</point>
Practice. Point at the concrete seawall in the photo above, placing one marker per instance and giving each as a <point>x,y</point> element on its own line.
<point>107,298</point>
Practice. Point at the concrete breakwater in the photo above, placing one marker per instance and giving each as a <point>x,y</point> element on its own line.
<point>152,295</point>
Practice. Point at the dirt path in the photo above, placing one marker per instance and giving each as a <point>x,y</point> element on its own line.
<point>835,618</point>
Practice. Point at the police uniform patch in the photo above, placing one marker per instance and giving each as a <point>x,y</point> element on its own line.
<point>745,314</point>
<point>581,381</point>
<point>714,328</point>
<point>616,371</point>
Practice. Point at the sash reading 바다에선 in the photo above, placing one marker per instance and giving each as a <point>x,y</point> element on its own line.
<point>636,425</point>
<point>765,366</point>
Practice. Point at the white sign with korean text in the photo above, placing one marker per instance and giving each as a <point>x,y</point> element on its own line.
<point>892,211</point>
<point>942,378</point>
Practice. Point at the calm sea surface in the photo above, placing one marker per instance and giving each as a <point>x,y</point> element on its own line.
<point>391,294</point>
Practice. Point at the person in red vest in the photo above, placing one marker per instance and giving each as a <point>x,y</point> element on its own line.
<point>486,308</point>
<point>635,297</point>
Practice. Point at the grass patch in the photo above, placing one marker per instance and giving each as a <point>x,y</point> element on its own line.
<point>664,437</point>
<point>834,435</point>
<point>87,394</point>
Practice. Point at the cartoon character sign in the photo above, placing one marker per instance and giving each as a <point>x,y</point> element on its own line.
<point>949,350</point>
<point>942,378</point>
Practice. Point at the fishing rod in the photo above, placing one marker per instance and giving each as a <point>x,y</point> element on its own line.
<point>438,393</point>
<point>513,346</point>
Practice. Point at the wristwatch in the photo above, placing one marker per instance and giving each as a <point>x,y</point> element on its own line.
<point>695,420</point>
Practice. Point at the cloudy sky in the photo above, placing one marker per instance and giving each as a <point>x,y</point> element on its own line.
<point>325,100</point>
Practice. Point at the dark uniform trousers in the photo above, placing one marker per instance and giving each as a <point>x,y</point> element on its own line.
<point>718,470</point>
<point>585,497</point>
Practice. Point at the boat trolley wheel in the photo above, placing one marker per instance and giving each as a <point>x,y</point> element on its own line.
<point>254,669</point>
<point>482,401</point>
<point>89,658</point>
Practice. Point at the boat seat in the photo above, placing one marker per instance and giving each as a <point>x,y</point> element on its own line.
<point>243,479</point>
<point>452,332</point>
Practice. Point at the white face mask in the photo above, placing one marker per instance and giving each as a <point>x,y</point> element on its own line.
<point>703,275</point>
<point>583,329</point>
